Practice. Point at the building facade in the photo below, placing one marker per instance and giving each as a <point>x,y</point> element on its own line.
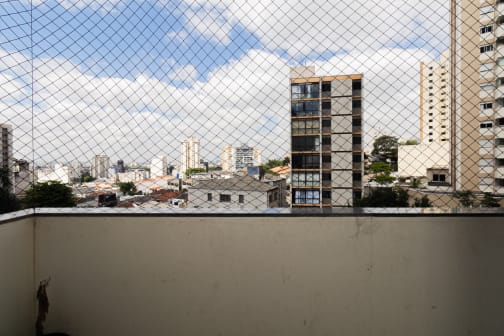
<point>159,166</point>
<point>477,53</point>
<point>190,154</point>
<point>326,142</point>
<point>229,159</point>
<point>100,166</point>
<point>243,192</point>
<point>435,100</point>
<point>6,153</point>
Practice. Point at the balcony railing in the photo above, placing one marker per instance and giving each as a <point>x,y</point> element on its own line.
<point>210,273</point>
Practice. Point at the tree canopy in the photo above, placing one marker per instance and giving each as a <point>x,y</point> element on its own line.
<point>385,146</point>
<point>127,188</point>
<point>51,194</point>
<point>384,198</point>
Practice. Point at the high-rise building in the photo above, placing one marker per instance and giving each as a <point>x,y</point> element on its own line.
<point>229,159</point>
<point>100,166</point>
<point>435,100</point>
<point>247,157</point>
<point>120,166</point>
<point>6,156</point>
<point>159,166</point>
<point>477,68</point>
<point>326,146</point>
<point>190,154</point>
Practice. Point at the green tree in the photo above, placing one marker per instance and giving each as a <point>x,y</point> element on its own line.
<point>410,142</point>
<point>8,202</point>
<point>385,198</point>
<point>51,194</point>
<point>385,149</point>
<point>423,202</point>
<point>465,197</point>
<point>127,188</point>
<point>489,201</point>
<point>190,171</point>
<point>382,172</point>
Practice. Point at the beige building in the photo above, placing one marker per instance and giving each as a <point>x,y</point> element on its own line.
<point>477,51</point>
<point>190,154</point>
<point>228,159</point>
<point>326,143</point>
<point>435,100</point>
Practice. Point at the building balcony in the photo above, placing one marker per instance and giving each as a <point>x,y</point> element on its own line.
<point>499,71</point>
<point>499,152</point>
<point>499,111</point>
<point>140,273</point>
<point>499,172</point>
<point>499,12</point>
<point>499,132</point>
<point>490,54</point>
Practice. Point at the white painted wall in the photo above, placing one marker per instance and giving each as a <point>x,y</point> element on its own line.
<point>17,300</point>
<point>414,160</point>
<point>272,275</point>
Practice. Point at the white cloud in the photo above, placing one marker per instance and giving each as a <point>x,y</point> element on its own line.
<point>185,74</point>
<point>98,5</point>
<point>311,27</point>
<point>210,23</point>
<point>245,101</point>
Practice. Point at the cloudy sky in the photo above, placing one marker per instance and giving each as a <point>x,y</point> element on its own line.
<point>131,79</point>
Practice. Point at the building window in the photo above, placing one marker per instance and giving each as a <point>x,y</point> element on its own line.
<point>309,108</point>
<point>306,143</point>
<point>305,179</point>
<point>486,48</point>
<point>305,127</point>
<point>439,177</point>
<point>305,90</point>
<point>224,198</point>
<point>306,196</point>
<point>301,161</point>
<point>241,198</point>
<point>486,29</point>
<point>486,124</point>
<point>209,197</point>
<point>484,107</point>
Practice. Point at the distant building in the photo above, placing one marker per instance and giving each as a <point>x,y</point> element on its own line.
<point>23,177</point>
<point>6,156</point>
<point>100,166</point>
<point>133,175</point>
<point>435,100</point>
<point>236,158</point>
<point>159,166</point>
<point>190,154</point>
<point>120,166</point>
<point>61,173</point>
<point>326,144</point>
<point>235,193</point>
<point>247,157</point>
<point>229,159</point>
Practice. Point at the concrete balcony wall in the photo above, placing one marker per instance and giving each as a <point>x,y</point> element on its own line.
<point>272,275</point>
<point>17,296</point>
<point>265,275</point>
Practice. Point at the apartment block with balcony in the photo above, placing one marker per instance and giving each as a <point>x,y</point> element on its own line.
<point>6,156</point>
<point>326,144</point>
<point>478,113</point>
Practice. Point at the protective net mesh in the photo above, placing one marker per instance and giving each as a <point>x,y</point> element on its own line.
<point>251,104</point>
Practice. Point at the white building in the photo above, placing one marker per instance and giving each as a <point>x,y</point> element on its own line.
<point>6,156</point>
<point>159,166</point>
<point>229,159</point>
<point>190,154</point>
<point>100,166</point>
<point>416,160</point>
<point>133,175</point>
<point>60,173</point>
<point>435,100</point>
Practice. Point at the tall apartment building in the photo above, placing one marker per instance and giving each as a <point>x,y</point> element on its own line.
<point>326,138</point>
<point>190,154</point>
<point>100,166</point>
<point>6,156</point>
<point>435,100</point>
<point>228,159</point>
<point>477,53</point>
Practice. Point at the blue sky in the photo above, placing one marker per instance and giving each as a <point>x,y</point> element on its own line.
<point>217,69</point>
